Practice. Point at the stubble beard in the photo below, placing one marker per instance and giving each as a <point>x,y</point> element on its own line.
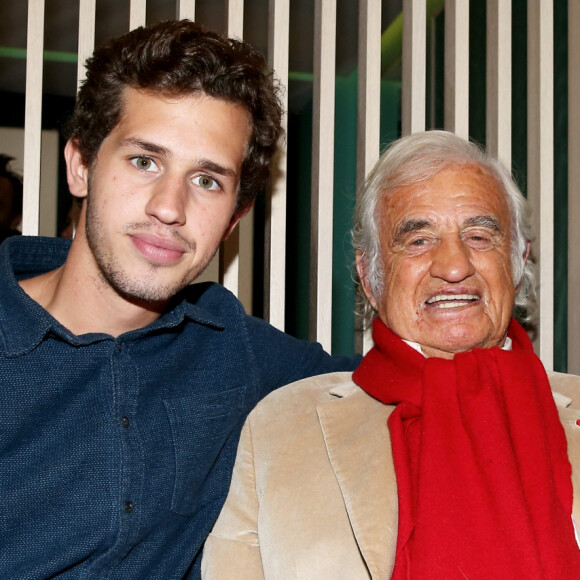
<point>146,288</point>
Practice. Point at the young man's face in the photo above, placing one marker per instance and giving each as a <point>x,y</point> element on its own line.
<point>162,192</point>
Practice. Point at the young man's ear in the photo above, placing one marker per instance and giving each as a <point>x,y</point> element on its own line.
<point>362,271</point>
<point>235,219</point>
<point>77,173</point>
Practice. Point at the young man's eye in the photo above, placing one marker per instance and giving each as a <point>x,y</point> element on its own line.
<point>144,163</point>
<point>206,182</point>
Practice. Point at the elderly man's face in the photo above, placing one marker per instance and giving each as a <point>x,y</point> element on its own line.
<point>446,256</point>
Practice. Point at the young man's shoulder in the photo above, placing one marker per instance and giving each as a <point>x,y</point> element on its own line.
<point>211,295</point>
<point>28,256</point>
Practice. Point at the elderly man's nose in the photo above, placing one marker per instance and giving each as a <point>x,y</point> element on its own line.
<point>451,261</point>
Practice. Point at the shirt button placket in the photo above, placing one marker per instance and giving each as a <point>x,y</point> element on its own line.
<point>126,379</point>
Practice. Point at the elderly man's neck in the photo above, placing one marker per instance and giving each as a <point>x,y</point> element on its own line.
<point>432,352</point>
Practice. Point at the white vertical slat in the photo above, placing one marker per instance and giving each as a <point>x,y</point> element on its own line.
<point>457,67</point>
<point>229,251</point>
<point>541,162</point>
<point>322,173</point>
<point>186,9</point>
<point>137,13</point>
<point>275,268</point>
<point>245,230</point>
<point>573,187</point>
<point>432,84</point>
<point>369,108</point>
<point>33,116</point>
<point>499,80</point>
<point>48,198</point>
<point>87,11</point>
<point>414,65</point>
<point>235,18</point>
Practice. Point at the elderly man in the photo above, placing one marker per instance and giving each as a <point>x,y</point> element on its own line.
<point>449,454</point>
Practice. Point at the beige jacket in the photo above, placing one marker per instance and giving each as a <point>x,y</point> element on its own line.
<point>313,494</point>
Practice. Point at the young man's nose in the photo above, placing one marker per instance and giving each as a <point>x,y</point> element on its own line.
<point>167,201</point>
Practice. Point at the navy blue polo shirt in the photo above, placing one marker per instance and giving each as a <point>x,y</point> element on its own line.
<point>116,453</point>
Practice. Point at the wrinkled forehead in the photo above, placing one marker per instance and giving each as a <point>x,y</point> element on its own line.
<point>456,191</point>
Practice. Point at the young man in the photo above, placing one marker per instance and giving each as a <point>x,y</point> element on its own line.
<point>124,388</point>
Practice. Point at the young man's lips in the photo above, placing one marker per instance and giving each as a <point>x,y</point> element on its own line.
<point>157,249</point>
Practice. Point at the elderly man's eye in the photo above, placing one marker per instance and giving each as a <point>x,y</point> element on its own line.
<point>144,163</point>
<point>206,182</point>
<point>417,245</point>
<point>479,241</point>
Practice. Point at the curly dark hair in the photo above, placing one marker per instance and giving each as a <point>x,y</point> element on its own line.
<point>179,58</point>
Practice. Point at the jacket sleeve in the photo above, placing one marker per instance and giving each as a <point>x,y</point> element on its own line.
<point>232,550</point>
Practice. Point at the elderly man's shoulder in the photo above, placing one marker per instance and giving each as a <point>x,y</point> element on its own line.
<point>306,395</point>
<point>565,385</point>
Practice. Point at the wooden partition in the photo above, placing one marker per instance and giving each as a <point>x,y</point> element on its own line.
<point>417,17</point>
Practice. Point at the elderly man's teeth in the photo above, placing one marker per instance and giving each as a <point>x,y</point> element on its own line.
<point>451,300</point>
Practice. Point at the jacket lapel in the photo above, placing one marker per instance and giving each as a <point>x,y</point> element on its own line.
<point>358,444</point>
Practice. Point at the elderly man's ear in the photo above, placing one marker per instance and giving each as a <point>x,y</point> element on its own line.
<point>527,251</point>
<point>361,264</point>
<point>527,254</point>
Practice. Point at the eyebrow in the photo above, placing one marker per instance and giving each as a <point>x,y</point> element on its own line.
<point>146,146</point>
<point>409,226</point>
<point>205,164</point>
<point>486,221</point>
<point>216,168</point>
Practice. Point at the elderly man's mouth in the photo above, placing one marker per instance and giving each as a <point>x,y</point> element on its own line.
<point>452,300</point>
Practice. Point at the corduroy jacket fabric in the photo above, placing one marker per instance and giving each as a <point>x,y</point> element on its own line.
<point>116,453</point>
<point>314,491</point>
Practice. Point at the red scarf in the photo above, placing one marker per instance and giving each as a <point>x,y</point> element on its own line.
<point>483,476</point>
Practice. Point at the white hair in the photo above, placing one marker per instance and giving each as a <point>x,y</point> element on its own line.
<point>417,158</point>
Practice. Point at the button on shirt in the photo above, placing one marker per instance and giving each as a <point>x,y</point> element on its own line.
<point>116,453</point>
